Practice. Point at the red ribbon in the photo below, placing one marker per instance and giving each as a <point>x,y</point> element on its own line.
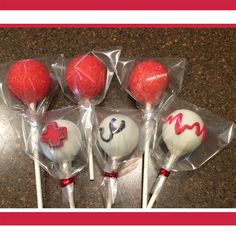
<point>112,174</point>
<point>164,172</point>
<point>66,182</point>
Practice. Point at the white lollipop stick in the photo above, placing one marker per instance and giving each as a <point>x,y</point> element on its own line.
<point>71,199</point>
<point>65,168</point>
<point>68,193</point>
<point>38,180</point>
<point>109,196</point>
<point>90,156</point>
<point>159,184</point>
<point>161,180</point>
<point>112,167</point>
<point>90,140</point>
<point>146,160</point>
<point>35,136</point>
<point>89,144</point>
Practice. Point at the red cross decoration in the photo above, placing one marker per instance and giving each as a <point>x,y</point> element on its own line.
<point>54,135</point>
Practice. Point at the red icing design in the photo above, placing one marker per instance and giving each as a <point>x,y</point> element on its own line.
<point>180,128</point>
<point>54,135</point>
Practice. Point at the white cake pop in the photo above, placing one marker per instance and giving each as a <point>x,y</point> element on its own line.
<point>118,135</point>
<point>60,140</point>
<point>183,131</point>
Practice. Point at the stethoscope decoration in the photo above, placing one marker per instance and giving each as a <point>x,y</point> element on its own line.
<point>113,129</point>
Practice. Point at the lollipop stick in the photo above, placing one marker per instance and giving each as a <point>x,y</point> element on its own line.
<point>90,156</point>
<point>146,160</point>
<point>35,135</point>
<point>38,181</point>
<point>70,196</point>
<point>163,175</point>
<point>159,184</point>
<point>67,182</point>
<point>90,140</point>
<point>68,192</point>
<point>109,196</point>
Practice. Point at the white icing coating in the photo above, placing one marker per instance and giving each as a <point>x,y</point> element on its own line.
<point>121,143</point>
<point>187,141</point>
<point>70,148</point>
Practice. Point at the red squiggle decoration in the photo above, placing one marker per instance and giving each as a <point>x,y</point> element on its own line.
<point>180,128</point>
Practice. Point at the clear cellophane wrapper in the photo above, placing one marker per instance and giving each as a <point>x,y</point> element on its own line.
<point>219,133</point>
<point>9,135</point>
<point>28,86</point>
<point>109,58</point>
<point>113,167</point>
<point>150,82</point>
<point>62,164</point>
<point>175,68</point>
<point>34,108</point>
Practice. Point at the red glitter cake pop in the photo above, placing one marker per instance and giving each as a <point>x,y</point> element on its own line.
<point>85,76</point>
<point>29,80</point>
<point>148,81</point>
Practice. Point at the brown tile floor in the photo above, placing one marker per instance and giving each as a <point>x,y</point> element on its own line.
<point>209,82</point>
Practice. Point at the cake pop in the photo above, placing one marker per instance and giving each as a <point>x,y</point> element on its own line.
<point>147,84</point>
<point>61,142</point>
<point>148,81</point>
<point>30,82</point>
<point>86,78</point>
<point>183,131</point>
<point>118,136</point>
